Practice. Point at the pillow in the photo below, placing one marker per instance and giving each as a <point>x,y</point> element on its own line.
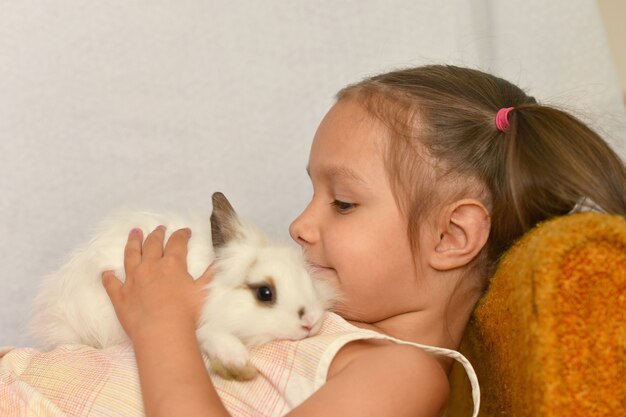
<point>548,338</point>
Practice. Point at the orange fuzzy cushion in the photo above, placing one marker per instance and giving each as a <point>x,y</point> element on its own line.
<point>549,336</point>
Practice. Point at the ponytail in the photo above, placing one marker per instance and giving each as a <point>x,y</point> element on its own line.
<point>553,163</point>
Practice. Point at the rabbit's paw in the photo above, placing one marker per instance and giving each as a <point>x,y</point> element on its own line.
<point>245,372</point>
<point>229,357</point>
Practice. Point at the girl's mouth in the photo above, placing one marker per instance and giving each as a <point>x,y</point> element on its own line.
<point>317,268</point>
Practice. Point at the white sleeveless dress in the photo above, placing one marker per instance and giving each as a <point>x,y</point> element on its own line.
<point>79,381</point>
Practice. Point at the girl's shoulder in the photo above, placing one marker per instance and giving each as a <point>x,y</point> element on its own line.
<point>374,374</point>
<point>405,357</point>
<point>380,377</point>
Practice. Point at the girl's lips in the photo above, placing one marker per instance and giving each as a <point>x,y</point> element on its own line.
<point>316,268</point>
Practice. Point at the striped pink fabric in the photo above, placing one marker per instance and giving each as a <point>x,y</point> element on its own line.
<point>73,380</point>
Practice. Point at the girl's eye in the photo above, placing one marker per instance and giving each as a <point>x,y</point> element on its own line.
<point>342,207</point>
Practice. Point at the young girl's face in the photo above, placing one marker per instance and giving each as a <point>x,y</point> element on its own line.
<point>352,231</point>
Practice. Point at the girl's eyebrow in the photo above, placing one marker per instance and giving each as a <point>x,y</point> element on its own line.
<point>334,172</point>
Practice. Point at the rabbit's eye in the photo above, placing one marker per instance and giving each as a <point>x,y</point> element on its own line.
<point>264,294</point>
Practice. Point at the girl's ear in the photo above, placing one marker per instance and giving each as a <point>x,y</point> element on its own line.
<point>225,224</point>
<point>463,230</point>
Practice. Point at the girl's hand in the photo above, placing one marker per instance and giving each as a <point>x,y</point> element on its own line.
<point>158,292</point>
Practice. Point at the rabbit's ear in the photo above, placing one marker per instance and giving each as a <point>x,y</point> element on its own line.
<point>225,224</point>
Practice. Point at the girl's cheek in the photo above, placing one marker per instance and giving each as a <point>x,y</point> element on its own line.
<point>345,248</point>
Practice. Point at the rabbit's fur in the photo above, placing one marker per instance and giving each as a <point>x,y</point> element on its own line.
<point>260,291</point>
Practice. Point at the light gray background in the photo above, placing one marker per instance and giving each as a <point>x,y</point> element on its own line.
<point>156,104</point>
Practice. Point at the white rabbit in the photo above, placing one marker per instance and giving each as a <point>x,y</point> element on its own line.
<point>260,291</point>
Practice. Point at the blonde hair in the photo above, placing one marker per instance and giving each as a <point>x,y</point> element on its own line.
<point>442,124</point>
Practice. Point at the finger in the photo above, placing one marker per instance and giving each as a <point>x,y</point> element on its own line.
<point>206,277</point>
<point>153,245</point>
<point>177,244</point>
<point>132,251</point>
<point>112,285</point>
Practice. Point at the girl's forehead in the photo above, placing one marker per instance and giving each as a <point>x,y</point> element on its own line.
<point>348,125</point>
<point>347,114</point>
<point>349,144</point>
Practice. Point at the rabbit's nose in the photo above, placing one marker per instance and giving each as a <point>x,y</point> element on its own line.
<point>307,320</point>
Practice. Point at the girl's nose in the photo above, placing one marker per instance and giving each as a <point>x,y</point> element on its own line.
<point>303,230</point>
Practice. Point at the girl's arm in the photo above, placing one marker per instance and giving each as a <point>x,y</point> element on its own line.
<point>174,381</point>
<point>159,304</point>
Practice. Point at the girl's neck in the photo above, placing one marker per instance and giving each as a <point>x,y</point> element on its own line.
<point>414,327</point>
<point>442,324</point>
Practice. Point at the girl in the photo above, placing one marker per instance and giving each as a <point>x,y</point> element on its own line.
<point>422,178</point>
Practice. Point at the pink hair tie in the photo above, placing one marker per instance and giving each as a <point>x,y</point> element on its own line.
<point>502,119</point>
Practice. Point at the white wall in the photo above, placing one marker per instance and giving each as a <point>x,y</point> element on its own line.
<point>614,18</point>
<point>159,103</point>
